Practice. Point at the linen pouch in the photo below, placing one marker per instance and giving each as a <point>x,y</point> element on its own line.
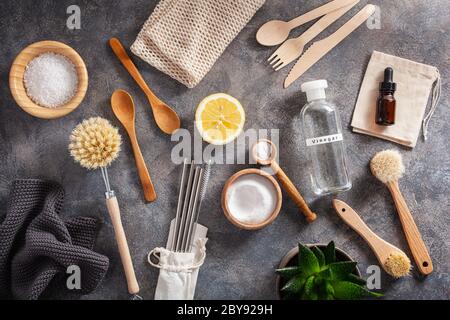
<point>415,81</point>
<point>184,38</point>
<point>179,270</point>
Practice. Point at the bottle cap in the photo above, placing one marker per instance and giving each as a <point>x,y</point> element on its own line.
<point>388,83</point>
<point>315,89</point>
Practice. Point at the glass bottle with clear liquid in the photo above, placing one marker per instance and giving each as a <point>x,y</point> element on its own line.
<point>322,132</point>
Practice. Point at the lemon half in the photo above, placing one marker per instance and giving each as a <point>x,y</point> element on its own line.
<point>219,118</point>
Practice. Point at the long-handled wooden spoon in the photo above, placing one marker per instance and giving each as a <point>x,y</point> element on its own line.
<point>166,118</point>
<point>265,152</point>
<point>123,107</point>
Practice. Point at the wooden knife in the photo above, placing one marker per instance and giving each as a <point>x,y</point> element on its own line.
<point>320,48</point>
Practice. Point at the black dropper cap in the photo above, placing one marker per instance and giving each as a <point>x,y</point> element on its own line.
<point>388,84</point>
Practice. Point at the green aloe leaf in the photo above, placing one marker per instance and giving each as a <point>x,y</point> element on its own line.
<point>309,291</point>
<point>319,255</point>
<point>355,279</point>
<point>289,272</point>
<point>295,285</point>
<point>330,253</point>
<point>329,289</point>
<point>326,274</point>
<point>341,270</point>
<point>325,289</point>
<point>307,260</point>
<point>350,291</point>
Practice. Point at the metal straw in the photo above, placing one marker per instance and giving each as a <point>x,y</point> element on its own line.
<point>204,185</point>
<point>185,208</point>
<point>180,203</point>
<point>183,229</point>
<point>191,193</point>
<point>205,180</point>
<point>185,245</point>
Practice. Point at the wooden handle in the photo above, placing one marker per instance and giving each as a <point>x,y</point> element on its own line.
<point>123,56</point>
<point>415,241</point>
<point>144,175</point>
<point>325,22</point>
<point>114,213</point>
<point>380,247</point>
<point>293,192</point>
<point>318,12</point>
<point>350,26</point>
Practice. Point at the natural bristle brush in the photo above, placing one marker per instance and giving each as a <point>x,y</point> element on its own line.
<point>387,166</point>
<point>95,144</point>
<point>393,260</point>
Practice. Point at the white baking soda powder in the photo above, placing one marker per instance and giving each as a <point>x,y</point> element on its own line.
<point>252,198</point>
<point>263,150</point>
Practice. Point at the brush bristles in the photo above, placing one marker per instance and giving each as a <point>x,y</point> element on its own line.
<point>397,265</point>
<point>95,143</point>
<point>387,166</point>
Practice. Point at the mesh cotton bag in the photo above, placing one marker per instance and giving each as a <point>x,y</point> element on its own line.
<point>184,38</point>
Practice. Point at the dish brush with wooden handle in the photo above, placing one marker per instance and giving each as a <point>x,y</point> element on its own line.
<point>95,144</point>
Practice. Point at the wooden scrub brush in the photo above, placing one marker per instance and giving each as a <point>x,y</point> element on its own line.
<point>95,144</point>
<point>393,260</point>
<point>387,166</point>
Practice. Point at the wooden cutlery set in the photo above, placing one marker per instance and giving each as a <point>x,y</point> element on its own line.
<point>276,32</point>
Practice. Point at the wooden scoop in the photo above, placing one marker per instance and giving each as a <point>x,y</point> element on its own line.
<point>166,118</point>
<point>123,107</point>
<point>284,179</point>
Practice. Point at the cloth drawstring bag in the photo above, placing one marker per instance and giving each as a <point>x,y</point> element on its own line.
<point>179,270</point>
<point>415,81</point>
<point>184,38</point>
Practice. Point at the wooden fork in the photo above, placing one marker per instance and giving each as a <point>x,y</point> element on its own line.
<point>293,48</point>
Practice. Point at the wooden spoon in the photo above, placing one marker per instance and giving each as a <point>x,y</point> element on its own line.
<point>166,118</point>
<point>276,31</point>
<point>287,184</point>
<point>123,107</point>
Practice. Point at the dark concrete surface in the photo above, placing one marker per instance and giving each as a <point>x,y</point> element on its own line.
<point>239,264</point>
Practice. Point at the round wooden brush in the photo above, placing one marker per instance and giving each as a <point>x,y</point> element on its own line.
<point>387,166</point>
<point>95,144</point>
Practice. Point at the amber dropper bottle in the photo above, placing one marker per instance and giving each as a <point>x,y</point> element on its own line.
<point>385,115</point>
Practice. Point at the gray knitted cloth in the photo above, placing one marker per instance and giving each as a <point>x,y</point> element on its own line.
<point>36,246</point>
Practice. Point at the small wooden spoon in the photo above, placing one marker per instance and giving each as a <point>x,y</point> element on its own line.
<point>166,118</point>
<point>284,179</point>
<point>276,31</point>
<point>123,107</point>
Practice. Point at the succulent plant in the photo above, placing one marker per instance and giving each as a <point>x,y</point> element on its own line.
<point>318,276</point>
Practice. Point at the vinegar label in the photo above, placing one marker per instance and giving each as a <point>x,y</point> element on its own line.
<point>325,139</point>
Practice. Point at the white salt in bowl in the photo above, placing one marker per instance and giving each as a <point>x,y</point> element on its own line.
<point>251,211</point>
<point>17,86</point>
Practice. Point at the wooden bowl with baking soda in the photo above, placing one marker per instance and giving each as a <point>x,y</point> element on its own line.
<point>48,79</point>
<point>251,199</point>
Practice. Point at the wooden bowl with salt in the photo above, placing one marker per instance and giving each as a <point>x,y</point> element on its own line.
<point>17,85</point>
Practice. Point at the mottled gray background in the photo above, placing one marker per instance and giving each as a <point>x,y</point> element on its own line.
<point>239,264</point>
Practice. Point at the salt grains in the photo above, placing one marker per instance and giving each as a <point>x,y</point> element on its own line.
<point>51,80</point>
